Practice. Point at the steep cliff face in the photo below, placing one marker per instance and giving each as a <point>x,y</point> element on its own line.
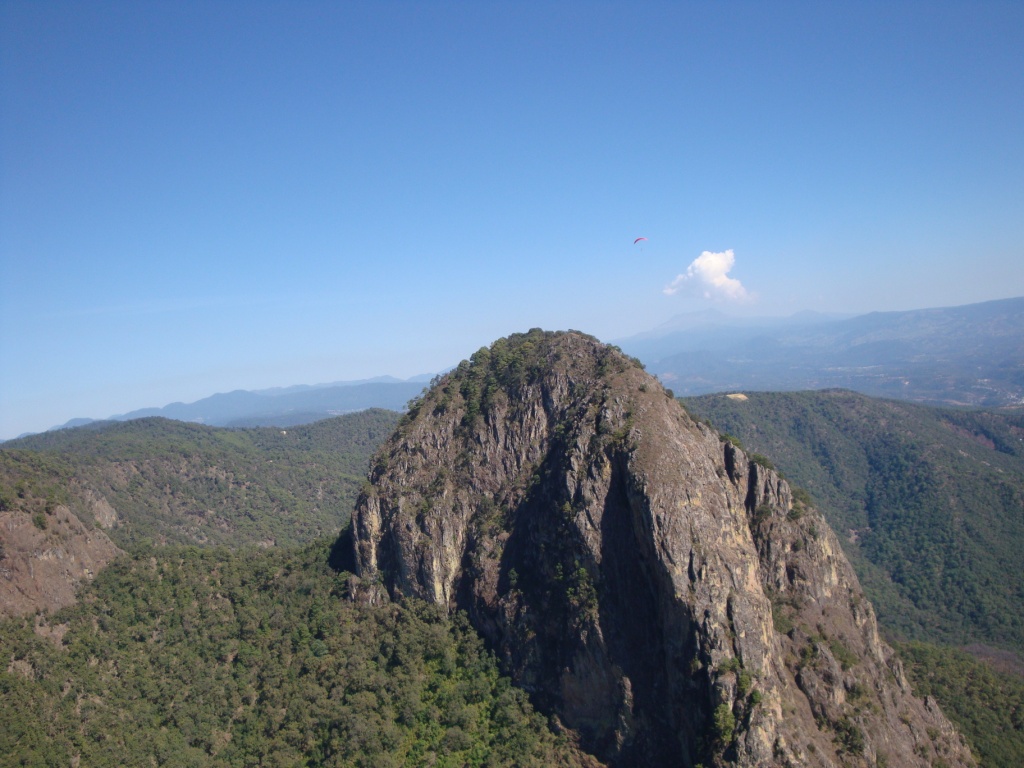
<point>660,594</point>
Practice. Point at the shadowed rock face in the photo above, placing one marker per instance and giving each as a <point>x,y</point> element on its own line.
<point>657,592</point>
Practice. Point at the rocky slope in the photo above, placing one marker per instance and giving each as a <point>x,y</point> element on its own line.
<point>927,501</point>
<point>45,555</point>
<point>662,596</point>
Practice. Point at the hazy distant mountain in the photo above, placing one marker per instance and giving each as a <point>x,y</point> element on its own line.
<point>969,355</point>
<point>678,332</point>
<point>284,406</point>
<point>422,379</point>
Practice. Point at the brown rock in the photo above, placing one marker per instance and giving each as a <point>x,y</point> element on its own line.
<point>46,555</point>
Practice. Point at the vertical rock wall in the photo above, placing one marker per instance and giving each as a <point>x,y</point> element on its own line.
<point>657,592</point>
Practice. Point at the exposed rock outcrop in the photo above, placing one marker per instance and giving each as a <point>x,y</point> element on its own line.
<point>45,556</point>
<point>657,591</point>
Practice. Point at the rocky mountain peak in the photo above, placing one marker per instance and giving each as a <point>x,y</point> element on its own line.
<point>666,598</point>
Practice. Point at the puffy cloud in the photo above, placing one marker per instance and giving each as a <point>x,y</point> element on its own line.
<point>711,272</point>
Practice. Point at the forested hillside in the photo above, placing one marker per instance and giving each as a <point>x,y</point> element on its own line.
<point>209,657</point>
<point>162,481</point>
<point>204,656</point>
<point>987,704</point>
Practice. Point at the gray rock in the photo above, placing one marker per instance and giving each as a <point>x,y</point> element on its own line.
<point>657,592</point>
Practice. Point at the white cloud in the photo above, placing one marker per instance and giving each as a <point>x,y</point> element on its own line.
<point>711,271</point>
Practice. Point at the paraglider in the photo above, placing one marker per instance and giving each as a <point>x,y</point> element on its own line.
<point>638,240</point>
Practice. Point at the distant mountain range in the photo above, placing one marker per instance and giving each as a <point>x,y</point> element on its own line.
<point>284,406</point>
<point>968,355</point>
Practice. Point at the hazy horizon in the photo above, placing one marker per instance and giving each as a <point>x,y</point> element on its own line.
<point>664,329</point>
<point>205,197</point>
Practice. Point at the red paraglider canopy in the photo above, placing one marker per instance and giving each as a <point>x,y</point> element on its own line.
<point>638,240</point>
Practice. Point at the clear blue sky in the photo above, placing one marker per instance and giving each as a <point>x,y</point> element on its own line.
<point>205,196</point>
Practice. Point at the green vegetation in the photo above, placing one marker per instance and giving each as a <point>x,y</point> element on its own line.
<point>208,657</point>
<point>848,737</point>
<point>508,364</point>
<point>724,723</point>
<point>194,657</point>
<point>846,658</point>
<point>725,437</point>
<point>986,705</point>
<point>173,482</point>
<point>926,501</point>
<point>782,617</point>
<point>500,373</point>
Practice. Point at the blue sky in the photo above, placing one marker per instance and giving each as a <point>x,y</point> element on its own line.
<point>205,196</point>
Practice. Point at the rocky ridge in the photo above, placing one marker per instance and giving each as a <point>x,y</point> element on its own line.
<point>666,598</point>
